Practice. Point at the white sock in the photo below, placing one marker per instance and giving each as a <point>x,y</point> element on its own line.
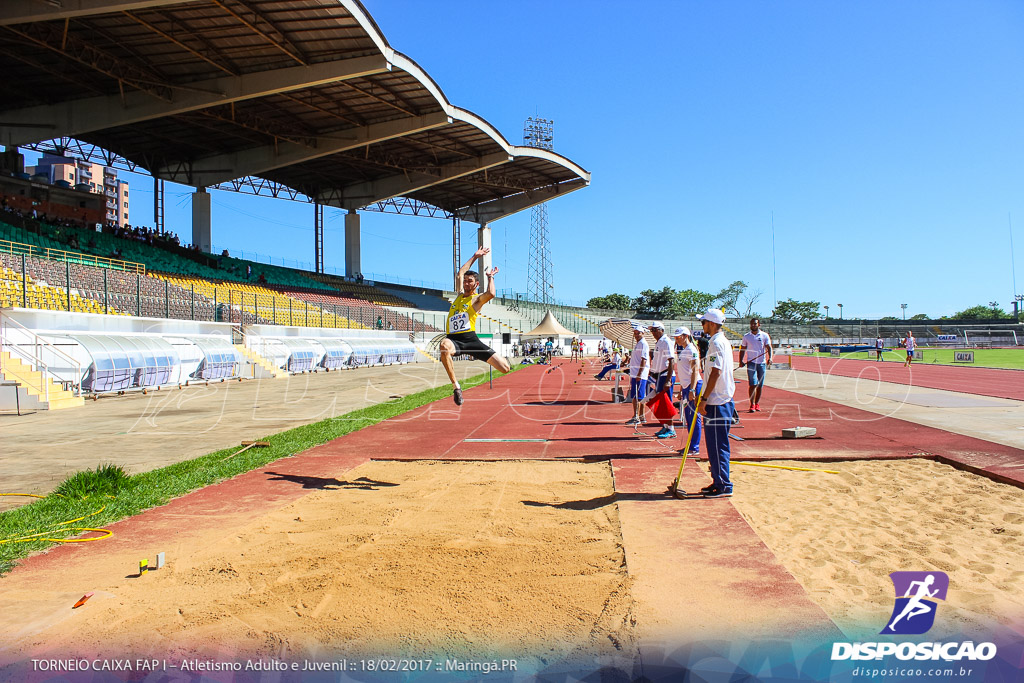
<point>457,384</point>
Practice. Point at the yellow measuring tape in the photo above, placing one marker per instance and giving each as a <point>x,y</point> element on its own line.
<point>784,467</point>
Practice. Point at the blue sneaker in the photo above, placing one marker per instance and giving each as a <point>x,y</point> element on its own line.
<point>666,434</point>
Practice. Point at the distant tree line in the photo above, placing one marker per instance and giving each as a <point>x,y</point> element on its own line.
<point>738,301</point>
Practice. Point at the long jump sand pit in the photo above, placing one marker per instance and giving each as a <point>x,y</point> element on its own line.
<point>468,559</point>
<point>841,535</point>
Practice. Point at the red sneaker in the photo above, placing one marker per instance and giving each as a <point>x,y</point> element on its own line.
<point>757,407</point>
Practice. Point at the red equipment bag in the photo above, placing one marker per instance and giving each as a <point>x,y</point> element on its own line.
<point>662,406</point>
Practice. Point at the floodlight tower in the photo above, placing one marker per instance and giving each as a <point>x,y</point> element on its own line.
<point>540,280</point>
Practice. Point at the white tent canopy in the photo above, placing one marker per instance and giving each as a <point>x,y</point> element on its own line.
<point>549,327</point>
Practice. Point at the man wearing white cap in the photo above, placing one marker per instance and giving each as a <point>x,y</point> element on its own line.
<point>663,372</point>
<point>716,405</point>
<point>688,378</point>
<point>757,346</point>
<point>639,370</point>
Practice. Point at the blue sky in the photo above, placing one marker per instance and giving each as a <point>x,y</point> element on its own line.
<point>886,138</point>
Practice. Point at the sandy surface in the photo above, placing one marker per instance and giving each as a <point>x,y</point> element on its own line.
<point>841,535</point>
<point>413,557</point>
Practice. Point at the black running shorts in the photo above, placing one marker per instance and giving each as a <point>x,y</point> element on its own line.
<point>467,343</point>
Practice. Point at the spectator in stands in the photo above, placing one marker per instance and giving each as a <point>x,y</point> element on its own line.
<point>716,405</point>
<point>391,325</point>
<point>380,322</point>
<point>756,353</point>
<point>248,271</point>
<point>910,343</point>
<point>460,325</point>
<point>225,254</point>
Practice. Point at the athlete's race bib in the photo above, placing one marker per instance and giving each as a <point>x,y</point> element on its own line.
<point>459,322</point>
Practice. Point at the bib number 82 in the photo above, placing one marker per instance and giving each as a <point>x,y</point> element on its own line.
<point>460,322</point>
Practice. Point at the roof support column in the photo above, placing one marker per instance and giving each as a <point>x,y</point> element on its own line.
<point>318,236</point>
<point>352,254</point>
<point>158,206</point>
<point>483,241</point>
<point>456,252</point>
<point>201,231</point>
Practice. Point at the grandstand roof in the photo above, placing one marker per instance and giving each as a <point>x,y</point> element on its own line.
<point>305,93</point>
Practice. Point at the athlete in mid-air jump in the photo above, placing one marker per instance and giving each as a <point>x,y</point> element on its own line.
<point>460,326</point>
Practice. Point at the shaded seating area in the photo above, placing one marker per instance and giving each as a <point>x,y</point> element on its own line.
<point>121,362</point>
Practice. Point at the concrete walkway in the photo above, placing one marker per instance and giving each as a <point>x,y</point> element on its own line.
<point>999,420</point>
<point>144,432</point>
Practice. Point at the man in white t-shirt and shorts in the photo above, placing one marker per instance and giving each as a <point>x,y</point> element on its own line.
<point>663,367</point>
<point>757,347</point>
<point>639,370</point>
<point>716,405</point>
<point>911,344</point>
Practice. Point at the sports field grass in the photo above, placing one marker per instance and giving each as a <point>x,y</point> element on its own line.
<point>1012,359</point>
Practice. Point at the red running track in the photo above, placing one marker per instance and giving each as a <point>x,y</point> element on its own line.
<point>982,381</point>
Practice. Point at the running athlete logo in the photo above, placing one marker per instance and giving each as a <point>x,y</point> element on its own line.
<point>916,595</point>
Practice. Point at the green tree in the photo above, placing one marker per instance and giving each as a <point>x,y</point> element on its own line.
<point>728,298</point>
<point>888,317</point>
<point>611,302</point>
<point>800,311</point>
<point>654,304</point>
<point>981,312</point>
<point>920,316</point>
<point>689,303</point>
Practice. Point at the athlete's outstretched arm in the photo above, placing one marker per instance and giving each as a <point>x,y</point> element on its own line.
<point>479,302</point>
<point>465,266</point>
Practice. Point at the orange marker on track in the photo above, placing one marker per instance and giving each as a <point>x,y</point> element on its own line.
<point>82,601</point>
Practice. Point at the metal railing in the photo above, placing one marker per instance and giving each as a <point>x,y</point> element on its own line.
<point>31,351</point>
<point>19,249</point>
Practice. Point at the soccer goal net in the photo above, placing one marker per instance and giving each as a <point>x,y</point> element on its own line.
<point>975,338</point>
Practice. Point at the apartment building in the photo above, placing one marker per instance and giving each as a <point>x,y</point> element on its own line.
<point>84,175</point>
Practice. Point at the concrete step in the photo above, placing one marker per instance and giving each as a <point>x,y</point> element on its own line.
<point>34,386</point>
<point>266,368</point>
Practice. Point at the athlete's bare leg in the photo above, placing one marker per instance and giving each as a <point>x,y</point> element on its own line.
<point>447,351</point>
<point>499,363</point>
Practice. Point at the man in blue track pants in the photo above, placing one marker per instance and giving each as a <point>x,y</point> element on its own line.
<point>716,405</point>
<point>689,380</point>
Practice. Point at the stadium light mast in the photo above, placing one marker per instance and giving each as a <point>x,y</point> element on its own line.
<point>904,307</point>
<point>540,278</point>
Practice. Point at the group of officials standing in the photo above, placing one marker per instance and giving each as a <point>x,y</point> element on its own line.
<point>707,386</point>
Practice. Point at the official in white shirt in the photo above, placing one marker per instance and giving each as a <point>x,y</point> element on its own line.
<point>663,367</point>
<point>688,378</point>
<point>757,346</point>
<point>639,370</point>
<point>716,405</point>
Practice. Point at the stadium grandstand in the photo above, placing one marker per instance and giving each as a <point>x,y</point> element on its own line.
<point>304,101</point>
